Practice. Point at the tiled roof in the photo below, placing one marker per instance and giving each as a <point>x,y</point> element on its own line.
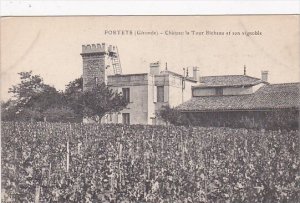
<point>273,96</point>
<point>228,81</point>
<point>277,96</point>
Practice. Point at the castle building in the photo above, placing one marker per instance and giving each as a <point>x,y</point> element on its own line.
<point>229,100</point>
<point>146,93</point>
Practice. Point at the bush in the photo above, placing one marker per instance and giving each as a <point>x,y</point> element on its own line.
<point>280,119</point>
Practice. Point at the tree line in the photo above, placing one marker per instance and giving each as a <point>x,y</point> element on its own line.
<point>34,100</point>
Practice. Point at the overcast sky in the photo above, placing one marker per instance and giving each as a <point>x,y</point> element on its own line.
<point>51,46</point>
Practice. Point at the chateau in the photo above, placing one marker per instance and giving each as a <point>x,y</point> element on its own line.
<point>145,92</point>
<point>209,100</point>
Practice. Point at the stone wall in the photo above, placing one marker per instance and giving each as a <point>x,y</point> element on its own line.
<point>94,58</point>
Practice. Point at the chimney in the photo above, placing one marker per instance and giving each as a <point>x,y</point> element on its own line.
<point>264,75</point>
<point>154,68</point>
<point>195,73</point>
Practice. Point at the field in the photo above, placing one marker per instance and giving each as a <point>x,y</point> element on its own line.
<point>53,162</point>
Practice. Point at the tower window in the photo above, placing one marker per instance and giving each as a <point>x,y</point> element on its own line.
<point>126,94</point>
<point>96,80</point>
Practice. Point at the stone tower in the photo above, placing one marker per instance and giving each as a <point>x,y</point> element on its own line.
<point>95,63</point>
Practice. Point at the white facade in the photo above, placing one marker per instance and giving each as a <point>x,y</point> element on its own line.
<point>147,94</point>
<point>140,94</point>
<point>229,91</point>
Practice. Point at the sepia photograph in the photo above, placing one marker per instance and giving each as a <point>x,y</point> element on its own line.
<point>160,109</point>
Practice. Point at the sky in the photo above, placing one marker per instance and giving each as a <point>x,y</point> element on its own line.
<point>51,46</point>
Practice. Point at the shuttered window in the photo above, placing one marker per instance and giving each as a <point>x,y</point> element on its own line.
<point>160,93</point>
<point>126,118</point>
<point>126,94</point>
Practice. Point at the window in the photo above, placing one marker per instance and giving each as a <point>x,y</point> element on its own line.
<point>219,91</point>
<point>126,94</point>
<point>110,117</point>
<point>160,93</point>
<point>126,118</point>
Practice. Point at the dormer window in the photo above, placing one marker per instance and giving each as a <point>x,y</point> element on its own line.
<point>219,91</point>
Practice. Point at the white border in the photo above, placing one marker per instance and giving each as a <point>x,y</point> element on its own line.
<point>146,7</point>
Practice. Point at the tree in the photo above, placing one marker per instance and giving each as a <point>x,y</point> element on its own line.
<point>31,98</point>
<point>101,100</point>
<point>30,86</point>
<point>73,96</point>
<point>95,102</point>
<point>171,115</point>
<point>35,100</point>
<point>8,113</point>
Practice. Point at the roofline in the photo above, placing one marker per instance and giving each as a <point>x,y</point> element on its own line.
<point>267,83</point>
<point>226,95</point>
<point>191,80</point>
<point>176,74</point>
<point>124,75</point>
<point>230,75</point>
<point>212,86</point>
<point>171,72</point>
<point>288,83</point>
<point>231,110</point>
<point>259,81</point>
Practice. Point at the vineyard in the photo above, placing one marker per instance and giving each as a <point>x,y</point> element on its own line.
<point>54,162</point>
